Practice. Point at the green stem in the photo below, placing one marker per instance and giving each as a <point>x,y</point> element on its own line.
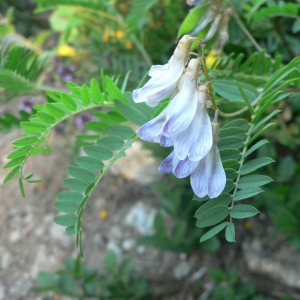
<point>207,77</point>
<point>236,113</point>
<point>242,26</point>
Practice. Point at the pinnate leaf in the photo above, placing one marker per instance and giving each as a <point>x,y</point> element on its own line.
<point>89,163</point>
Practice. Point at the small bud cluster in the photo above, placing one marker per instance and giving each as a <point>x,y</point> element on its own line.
<point>184,123</point>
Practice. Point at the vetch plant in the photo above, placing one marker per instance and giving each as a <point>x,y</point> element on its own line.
<point>174,108</point>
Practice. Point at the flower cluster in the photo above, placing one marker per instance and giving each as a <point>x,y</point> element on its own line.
<point>184,123</point>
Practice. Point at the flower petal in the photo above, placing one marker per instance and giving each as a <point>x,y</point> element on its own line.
<point>209,178</point>
<point>158,70</point>
<point>184,168</point>
<point>196,141</point>
<point>166,167</point>
<point>166,141</point>
<point>152,130</point>
<point>218,178</point>
<point>183,106</point>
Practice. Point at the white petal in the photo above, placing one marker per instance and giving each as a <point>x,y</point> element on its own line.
<point>157,70</point>
<point>152,130</point>
<point>209,178</point>
<point>196,141</point>
<point>218,178</point>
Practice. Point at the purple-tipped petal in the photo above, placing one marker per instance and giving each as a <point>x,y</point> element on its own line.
<point>184,168</point>
<point>166,167</point>
<point>152,130</point>
<point>196,141</point>
<point>209,177</point>
<point>166,141</point>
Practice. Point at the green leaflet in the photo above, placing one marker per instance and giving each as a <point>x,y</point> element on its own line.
<point>131,113</point>
<point>25,141</point>
<point>14,172</point>
<point>66,206</point>
<point>192,19</point>
<point>33,127</point>
<point>223,199</point>
<point>122,131</point>
<point>213,216</point>
<point>253,181</point>
<point>85,95</point>
<point>213,231</point>
<point>75,184</point>
<point>230,142</point>
<point>242,211</point>
<point>113,90</point>
<point>230,91</point>
<point>255,147</point>
<point>230,232</point>
<point>111,142</point>
<point>46,118</point>
<point>260,132</point>
<point>70,196</point>
<point>20,152</point>
<point>255,164</point>
<point>246,193</point>
<point>65,220</point>
<point>95,91</point>
<point>90,163</point>
<point>99,152</point>
<point>231,131</point>
<point>55,110</point>
<point>68,102</point>
<point>14,162</point>
<point>81,173</point>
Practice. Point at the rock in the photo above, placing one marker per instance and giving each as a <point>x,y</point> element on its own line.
<point>2,292</point>
<point>141,217</point>
<point>139,165</point>
<point>182,270</point>
<point>58,232</point>
<point>128,244</point>
<point>283,266</point>
<point>6,260</point>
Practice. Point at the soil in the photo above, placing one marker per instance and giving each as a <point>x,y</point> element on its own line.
<point>30,241</point>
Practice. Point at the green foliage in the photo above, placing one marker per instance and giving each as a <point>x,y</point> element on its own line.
<point>19,70</point>
<point>237,141</point>
<point>228,286</point>
<point>118,281</point>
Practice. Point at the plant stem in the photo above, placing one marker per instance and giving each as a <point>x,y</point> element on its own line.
<point>242,26</point>
<point>206,74</point>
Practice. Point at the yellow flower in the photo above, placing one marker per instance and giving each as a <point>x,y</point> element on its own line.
<point>128,45</point>
<point>66,50</point>
<point>120,34</point>
<point>211,57</point>
<point>103,214</point>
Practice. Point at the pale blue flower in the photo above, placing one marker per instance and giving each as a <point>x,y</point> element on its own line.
<point>209,177</point>
<point>164,79</point>
<point>196,141</point>
<point>182,108</point>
